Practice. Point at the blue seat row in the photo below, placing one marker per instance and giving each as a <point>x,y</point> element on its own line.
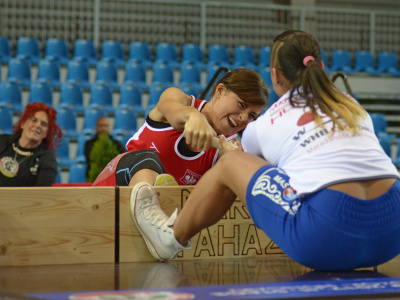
<point>19,71</point>
<point>364,61</point>
<point>72,95</point>
<point>28,48</point>
<point>244,56</point>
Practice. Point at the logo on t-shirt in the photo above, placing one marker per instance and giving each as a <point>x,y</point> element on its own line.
<point>153,146</point>
<point>190,178</point>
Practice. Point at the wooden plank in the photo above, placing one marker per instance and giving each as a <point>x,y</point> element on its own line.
<point>234,236</point>
<point>57,225</point>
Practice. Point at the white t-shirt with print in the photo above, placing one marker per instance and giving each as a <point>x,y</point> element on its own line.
<point>288,137</point>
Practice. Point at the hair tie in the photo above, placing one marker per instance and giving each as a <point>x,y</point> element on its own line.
<point>307,59</point>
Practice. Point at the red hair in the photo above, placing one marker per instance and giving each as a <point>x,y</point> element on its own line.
<point>54,133</point>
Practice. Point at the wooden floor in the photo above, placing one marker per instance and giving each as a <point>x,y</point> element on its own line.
<point>19,282</point>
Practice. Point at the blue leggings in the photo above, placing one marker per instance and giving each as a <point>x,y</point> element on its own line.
<point>327,230</point>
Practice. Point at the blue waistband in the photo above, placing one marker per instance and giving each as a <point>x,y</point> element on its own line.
<point>380,211</point>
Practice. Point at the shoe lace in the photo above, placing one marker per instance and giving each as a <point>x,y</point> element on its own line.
<point>154,213</point>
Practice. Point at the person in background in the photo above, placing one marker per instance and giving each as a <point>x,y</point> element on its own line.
<point>177,136</point>
<point>102,127</point>
<point>27,157</point>
<point>313,175</point>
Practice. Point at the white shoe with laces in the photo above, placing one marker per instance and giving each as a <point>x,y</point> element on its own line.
<point>153,224</point>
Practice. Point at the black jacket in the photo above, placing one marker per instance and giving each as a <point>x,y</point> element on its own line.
<point>40,169</point>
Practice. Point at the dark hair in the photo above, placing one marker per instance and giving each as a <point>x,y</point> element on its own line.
<point>309,79</point>
<point>54,134</point>
<point>246,84</point>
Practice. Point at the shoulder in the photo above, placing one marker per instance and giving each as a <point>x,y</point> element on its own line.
<point>47,157</point>
<point>44,150</point>
<point>6,140</point>
<point>198,103</point>
<point>6,137</point>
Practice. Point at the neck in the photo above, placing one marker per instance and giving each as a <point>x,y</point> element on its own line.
<point>208,112</point>
<point>27,144</point>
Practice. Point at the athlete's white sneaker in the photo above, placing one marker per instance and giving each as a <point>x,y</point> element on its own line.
<point>153,224</point>
<point>165,180</point>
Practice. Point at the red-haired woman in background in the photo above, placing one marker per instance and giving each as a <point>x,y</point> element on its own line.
<point>27,157</point>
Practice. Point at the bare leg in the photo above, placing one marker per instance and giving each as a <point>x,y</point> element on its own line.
<point>215,193</point>
<point>144,175</point>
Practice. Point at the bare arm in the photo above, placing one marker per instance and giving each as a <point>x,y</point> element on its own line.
<point>174,108</point>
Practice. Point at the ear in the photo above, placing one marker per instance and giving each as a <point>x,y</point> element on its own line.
<point>322,65</point>
<point>275,75</point>
<point>219,90</point>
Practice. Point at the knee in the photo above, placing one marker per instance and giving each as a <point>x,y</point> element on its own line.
<point>228,158</point>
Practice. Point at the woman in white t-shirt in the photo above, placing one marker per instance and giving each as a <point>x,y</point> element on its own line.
<point>312,175</point>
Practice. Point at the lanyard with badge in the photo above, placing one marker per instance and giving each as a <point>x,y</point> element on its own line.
<point>9,166</point>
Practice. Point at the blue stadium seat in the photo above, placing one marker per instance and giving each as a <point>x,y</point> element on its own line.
<point>265,73</point>
<point>163,72</point>
<point>59,171</point>
<point>107,73</point>
<point>125,121</point>
<point>123,139</point>
<point>77,173</point>
<point>19,71</point>
<point>57,50</point>
<point>71,95</point>
<point>41,92</point>
<point>167,53</point>
<point>156,89</point>
<point>380,125</point>
<point>141,52</point>
<point>191,74</point>
<point>80,153</point>
<point>6,121</point>
<point>101,96</point>
<point>49,72</point>
<point>85,50</point>
<point>194,54</point>
<point>11,96</point>
<point>388,63</point>
<point>78,72</point>
<point>63,157</point>
<point>340,60</point>
<point>28,49</point>
<point>218,55</point>
<point>113,51</point>
<point>379,122</point>
<point>364,60</point>
<point>5,50</point>
<point>264,57</point>
<point>131,97</point>
<point>91,114</point>
<point>386,144</point>
<point>189,89</point>
<point>66,119</point>
<point>325,60</point>
<point>244,57</point>
<point>211,70</point>
<point>135,73</point>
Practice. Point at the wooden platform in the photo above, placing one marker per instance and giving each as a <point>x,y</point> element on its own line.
<point>80,225</point>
